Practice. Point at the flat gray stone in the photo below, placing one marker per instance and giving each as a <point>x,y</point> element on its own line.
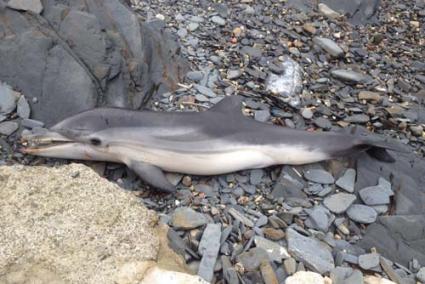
<point>196,19</point>
<point>208,248</point>
<point>319,176</point>
<point>186,218</point>
<point>233,74</point>
<point>31,123</point>
<point>241,217</point>
<point>275,251</point>
<point>251,51</point>
<point>369,261</point>
<point>348,76</point>
<point>195,76</point>
<point>319,218</point>
<point>339,274</point>
<point>329,46</point>
<point>252,259</point>
<point>182,33</point>
<point>323,123</point>
<point>327,11</point>
<point>205,91</point>
<point>8,98</point>
<point>192,26</point>
<point>357,118</point>
<point>290,265</point>
<point>338,203</point>
<point>26,5</point>
<point>23,109</point>
<point>8,127</point>
<point>229,272</point>
<point>307,113</point>
<point>312,252</point>
<point>255,176</point>
<point>384,184</point>
<point>346,181</point>
<point>374,195</point>
<point>355,278</point>
<point>362,213</point>
<point>218,20</point>
<point>262,115</point>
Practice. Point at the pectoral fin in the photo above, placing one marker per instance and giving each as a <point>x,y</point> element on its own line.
<point>152,175</point>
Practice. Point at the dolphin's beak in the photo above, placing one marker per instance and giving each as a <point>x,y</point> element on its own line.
<point>40,140</point>
<point>50,143</point>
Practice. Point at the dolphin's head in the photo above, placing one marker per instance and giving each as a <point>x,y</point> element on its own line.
<point>49,143</point>
<point>72,138</point>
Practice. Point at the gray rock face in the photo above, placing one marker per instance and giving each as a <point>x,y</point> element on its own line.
<point>313,253</point>
<point>397,237</point>
<point>186,218</point>
<point>319,176</point>
<point>374,195</point>
<point>339,202</point>
<point>208,248</point>
<point>275,251</point>
<point>329,46</point>
<point>346,181</point>
<point>348,76</point>
<point>103,56</point>
<point>362,213</point>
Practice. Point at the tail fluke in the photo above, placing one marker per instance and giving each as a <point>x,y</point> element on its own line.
<point>378,149</point>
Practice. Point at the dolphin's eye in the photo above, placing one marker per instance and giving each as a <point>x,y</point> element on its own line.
<point>95,141</point>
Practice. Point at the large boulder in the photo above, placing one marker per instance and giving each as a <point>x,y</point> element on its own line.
<point>76,55</point>
<point>68,225</point>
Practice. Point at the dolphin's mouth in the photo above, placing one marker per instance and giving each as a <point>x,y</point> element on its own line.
<point>41,139</point>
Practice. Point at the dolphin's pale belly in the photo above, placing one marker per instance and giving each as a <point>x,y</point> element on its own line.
<point>229,159</point>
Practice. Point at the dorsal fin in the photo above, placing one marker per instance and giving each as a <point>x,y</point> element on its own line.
<point>230,104</point>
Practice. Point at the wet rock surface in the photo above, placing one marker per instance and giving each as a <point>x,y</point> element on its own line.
<point>307,68</point>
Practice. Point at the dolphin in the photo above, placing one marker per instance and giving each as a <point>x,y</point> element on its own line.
<point>217,141</point>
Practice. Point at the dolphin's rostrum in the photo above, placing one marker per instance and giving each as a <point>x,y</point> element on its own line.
<point>217,141</point>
